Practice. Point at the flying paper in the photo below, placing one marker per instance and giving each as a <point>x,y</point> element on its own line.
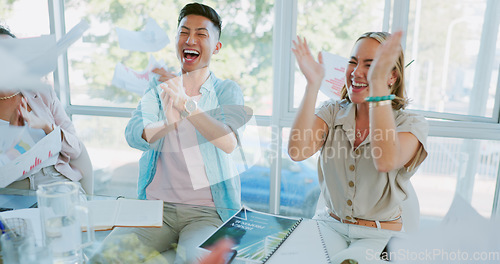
<point>152,38</point>
<point>40,54</point>
<point>14,74</point>
<point>135,81</point>
<point>334,78</point>
<point>25,61</point>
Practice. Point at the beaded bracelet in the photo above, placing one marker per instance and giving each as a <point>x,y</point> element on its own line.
<point>380,98</point>
<point>380,103</point>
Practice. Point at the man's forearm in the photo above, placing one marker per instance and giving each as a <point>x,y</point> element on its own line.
<point>214,131</point>
<point>157,130</point>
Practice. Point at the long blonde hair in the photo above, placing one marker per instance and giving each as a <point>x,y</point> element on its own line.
<point>398,88</point>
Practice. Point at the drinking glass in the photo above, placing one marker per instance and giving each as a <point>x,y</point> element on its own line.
<point>62,213</point>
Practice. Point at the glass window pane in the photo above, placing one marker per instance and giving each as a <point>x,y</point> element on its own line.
<point>467,167</point>
<point>255,181</point>
<point>25,18</point>
<point>299,184</point>
<point>115,164</point>
<point>445,46</point>
<point>334,26</point>
<point>245,57</point>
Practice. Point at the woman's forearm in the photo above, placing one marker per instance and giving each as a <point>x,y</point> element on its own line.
<point>304,141</point>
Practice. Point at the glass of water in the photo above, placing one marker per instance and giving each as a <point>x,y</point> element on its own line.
<point>61,211</point>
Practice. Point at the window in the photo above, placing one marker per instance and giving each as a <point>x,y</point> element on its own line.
<point>26,18</point>
<point>245,56</point>
<point>453,81</point>
<point>451,169</point>
<point>333,26</point>
<point>115,164</point>
<point>452,72</point>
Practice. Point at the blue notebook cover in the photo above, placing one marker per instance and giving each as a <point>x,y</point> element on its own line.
<point>256,235</point>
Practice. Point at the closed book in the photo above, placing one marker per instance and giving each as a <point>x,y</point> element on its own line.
<point>106,214</point>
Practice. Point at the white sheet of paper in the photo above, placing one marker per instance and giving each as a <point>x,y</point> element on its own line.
<point>334,75</point>
<point>39,155</point>
<point>135,81</point>
<point>37,55</point>
<point>72,36</point>
<point>15,73</point>
<point>152,38</point>
<point>14,141</point>
<point>27,49</point>
<point>47,62</point>
<point>304,245</point>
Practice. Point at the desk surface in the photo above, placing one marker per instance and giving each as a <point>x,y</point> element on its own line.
<point>307,236</point>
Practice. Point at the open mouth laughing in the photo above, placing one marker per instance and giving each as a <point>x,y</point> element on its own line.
<point>190,55</point>
<point>357,87</point>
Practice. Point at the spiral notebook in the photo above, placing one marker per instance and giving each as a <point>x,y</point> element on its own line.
<point>257,235</point>
<point>305,245</point>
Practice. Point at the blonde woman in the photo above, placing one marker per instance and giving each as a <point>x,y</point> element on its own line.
<point>370,146</point>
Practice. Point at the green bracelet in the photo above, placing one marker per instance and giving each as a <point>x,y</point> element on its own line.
<point>380,98</point>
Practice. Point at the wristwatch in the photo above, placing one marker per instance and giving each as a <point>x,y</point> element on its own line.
<point>189,106</point>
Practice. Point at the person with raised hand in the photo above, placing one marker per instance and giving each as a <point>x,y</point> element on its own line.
<point>187,125</point>
<point>370,146</point>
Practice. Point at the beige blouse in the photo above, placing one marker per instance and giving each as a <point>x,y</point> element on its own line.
<point>350,184</point>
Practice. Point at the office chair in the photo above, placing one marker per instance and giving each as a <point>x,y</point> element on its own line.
<point>84,165</point>
<point>411,211</point>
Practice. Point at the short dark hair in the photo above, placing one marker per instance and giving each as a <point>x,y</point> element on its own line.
<point>5,31</point>
<point>201,10</point>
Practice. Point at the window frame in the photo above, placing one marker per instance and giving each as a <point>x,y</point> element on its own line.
<point>285,11</point>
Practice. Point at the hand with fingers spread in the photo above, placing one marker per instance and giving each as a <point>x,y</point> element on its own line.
<point>164,74</point>
<point>33,120</point>
<point>385,59</point>
<point>313,71</point>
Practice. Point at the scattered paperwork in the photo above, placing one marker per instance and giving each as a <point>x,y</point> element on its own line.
<point>334,78</point>
<point>152,38</point>
<point>135,81</point>
<point>25,61</point>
